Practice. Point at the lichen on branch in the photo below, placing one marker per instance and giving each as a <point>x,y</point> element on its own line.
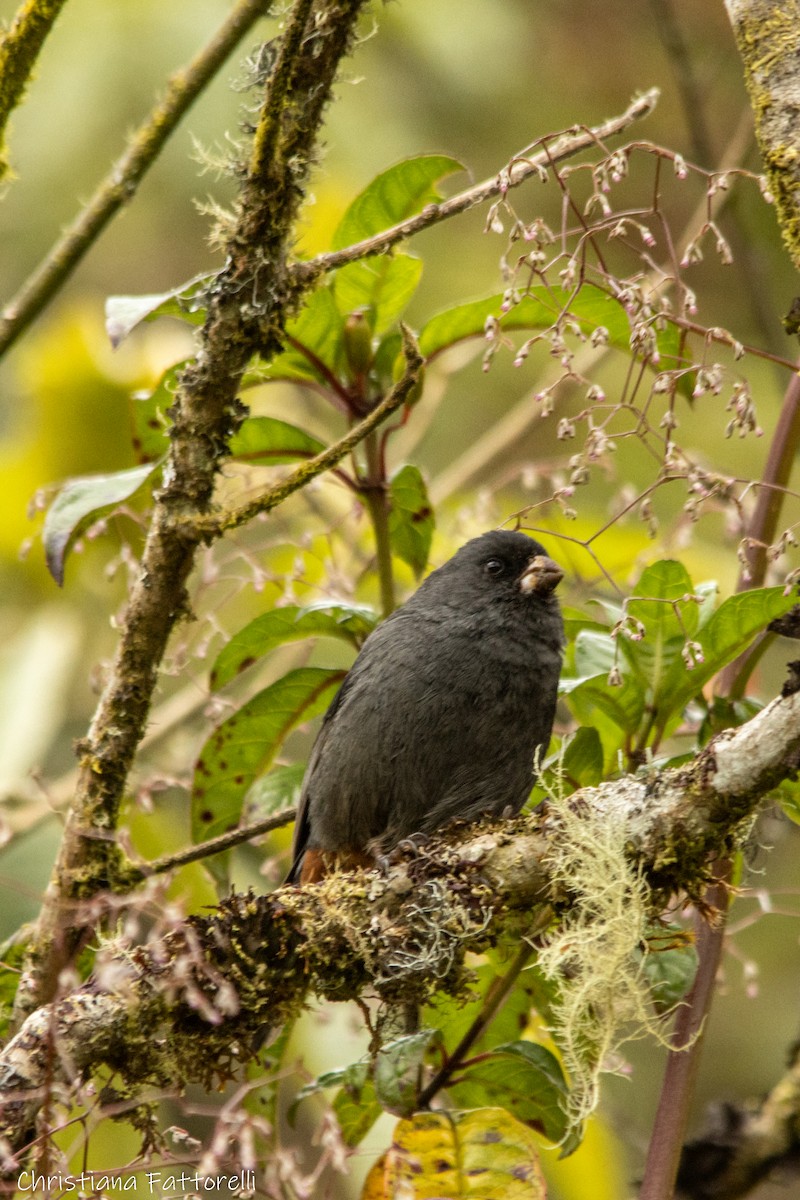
<point>247,308</point>
<point>401,934</point>
<point>768,37</point>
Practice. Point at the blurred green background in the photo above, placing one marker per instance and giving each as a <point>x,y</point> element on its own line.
<point>476,79</point>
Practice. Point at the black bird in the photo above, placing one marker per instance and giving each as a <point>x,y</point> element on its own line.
<point>443,711</point>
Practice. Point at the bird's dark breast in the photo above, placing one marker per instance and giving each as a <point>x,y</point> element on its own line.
<point>485,704</point>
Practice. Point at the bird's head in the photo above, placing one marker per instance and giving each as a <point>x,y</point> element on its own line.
<point>497,566</point>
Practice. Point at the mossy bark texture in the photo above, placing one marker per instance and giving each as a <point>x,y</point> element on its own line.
<point>768,37</point>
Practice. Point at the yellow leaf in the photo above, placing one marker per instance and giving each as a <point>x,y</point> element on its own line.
<point>484,1154</point>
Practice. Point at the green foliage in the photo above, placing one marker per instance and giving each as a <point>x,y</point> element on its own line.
<point>344,343</point>
<point>589,310</point>
<point>289,624</point>
<point>526,1080</point>
<point>386,1083</point>
<point>186,302</point>
<point>669,962</point>
<point>278,789</point>
<point>79,503</point>
<point>394,194</point>
<point>266,441</point>
<point>410,518</point>
<point>632,683</point>
<point>243,746</point>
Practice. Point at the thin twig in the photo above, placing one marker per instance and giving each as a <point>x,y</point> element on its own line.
<point>212,526</point>
<point>373,491</point>
<point>669,29</point>
<point>493,1000</point>
<point>216,845</point>
<point>522,166</point>
<point>120,184</point>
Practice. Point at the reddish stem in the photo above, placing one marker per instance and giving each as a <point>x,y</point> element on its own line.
<point>672,1117</point>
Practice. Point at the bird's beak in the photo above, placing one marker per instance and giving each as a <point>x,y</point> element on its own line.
<point>541,576</point>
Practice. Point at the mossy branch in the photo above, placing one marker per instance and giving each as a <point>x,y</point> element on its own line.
<point>768,37</point>
<point>215,982</point>
<point>205,413</point>
<point>119,186</point>
<point>20,45</point>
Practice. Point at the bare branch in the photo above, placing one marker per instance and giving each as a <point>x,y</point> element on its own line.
<point>521,167</point>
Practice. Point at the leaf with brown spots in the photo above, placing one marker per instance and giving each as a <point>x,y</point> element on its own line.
<point>243,746</point>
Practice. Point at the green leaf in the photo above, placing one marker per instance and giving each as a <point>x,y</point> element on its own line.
<point>668,622</point>
<point>788,796</point>
<point>669,581</point>
<point>318,331</point>
<point>411,519</point>
<point>723,636</point>
<point>124,313</point>
<point>277,790</point>
<point>357,1108</point>
<point>242,747</point>
<point>345,621</point>
<point>736,622</point>
<point>657,684</point>
<point>615,712</point>
<point>525,1079</point>
<point>355,1104</point>
<point>149,421</point>
<point>454,1017</point>
<point>270,442</point>
<point>381,286</point>
<point>594,652</point>
<point>583,758</point>
<point>397,1066</point>
<point>539,308</point>
<point>387,354</point>
<point>669,971</point>
<point>82,501</point>
<point>397,193</point>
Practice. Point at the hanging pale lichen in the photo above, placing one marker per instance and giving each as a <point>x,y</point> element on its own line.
<point>597,956</point>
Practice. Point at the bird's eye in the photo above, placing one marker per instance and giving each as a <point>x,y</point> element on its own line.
<point>495,567</point>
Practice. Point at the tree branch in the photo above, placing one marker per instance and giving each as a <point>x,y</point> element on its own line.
<point>298,478</point>
<point>521,167</point>
<point>221,979</point>
<point>768,37</point>
<point>121,183</point>
<point>745,1144</point>
<point>19,48</point>
<point>205,414</point>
